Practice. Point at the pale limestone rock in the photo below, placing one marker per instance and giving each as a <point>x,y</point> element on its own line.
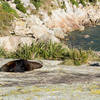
<point>10,43</point>
<point>59,23</point>
<point>12,5</point>
<point>86,36</point>
<point>58,32</point>
<point>33,25</point>
<point>26,2</point>
<point>41,33</point>
<point>74,18</point>
<point>61,19</point>
<point>54,39</point>
<point>33,20</point>
<point>23,26</point>
<point>20,27</point>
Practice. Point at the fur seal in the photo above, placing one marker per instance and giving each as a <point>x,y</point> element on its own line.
<point>20,65</point>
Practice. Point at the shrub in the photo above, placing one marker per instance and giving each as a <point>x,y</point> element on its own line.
<point>20,7</point>
<point>93,1</point>
<point>17,1</point>
<point>49,13</point>
<point>48,50</point>
<point>2,52</point>
<point>78,56</point>
<point>6,7</point>
<point>36,3</point>
<point>63,5</point>
<point>74,2</point>
<point>38,50</point>
<point>1,0</point>
<point>23,52</point>
<point>5,22</point>
<point>82,2</point>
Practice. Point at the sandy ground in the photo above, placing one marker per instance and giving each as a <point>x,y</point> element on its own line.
<point>51,82</point>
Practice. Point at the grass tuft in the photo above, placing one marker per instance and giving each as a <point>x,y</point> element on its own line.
<point>2,53</point>
<point>17,1</point>
<point>6,19</point>
<point>50,51</point>
<point>6,7</point>
<point>77,56</point>
<point>36,3</point>
<point>20,6</point>
<point>38,50</point>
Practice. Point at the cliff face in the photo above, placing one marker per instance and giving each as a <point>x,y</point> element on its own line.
<point>53,19</point>
<point>67,19</point>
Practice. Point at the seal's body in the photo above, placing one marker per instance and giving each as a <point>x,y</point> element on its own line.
<point>20,66</point>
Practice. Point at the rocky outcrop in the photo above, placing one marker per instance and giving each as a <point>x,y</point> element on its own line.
<point>10,43</point>
<point>73,18</point>
<point>44,27</point>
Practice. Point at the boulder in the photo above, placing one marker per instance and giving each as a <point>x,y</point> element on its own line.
<point>58,23</point>
<point>10,43</point>
<point>32,25</point>
<point>58,32</point>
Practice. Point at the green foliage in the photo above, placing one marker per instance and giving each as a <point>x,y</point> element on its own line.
<point>50,51</point>
<point>63,6</point>
<point>6,17</point>
<point>38,50</point>
<point>20,7</point>
<point>17,1</point>
<point>82,2</point>
<point>5,22</point>
<point>6,7</point>
<point>2,52</point>
<point>36,3</point>
<point>49,13</point>
<point>78,56</point>
<point>47,5</point>
<point>1,0</point>
<point>74,2</point>
<point>23,52</point>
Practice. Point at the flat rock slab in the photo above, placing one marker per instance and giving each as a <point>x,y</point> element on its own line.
<point>51,82</point>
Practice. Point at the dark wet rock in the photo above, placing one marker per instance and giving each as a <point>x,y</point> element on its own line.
<point>95,64</point>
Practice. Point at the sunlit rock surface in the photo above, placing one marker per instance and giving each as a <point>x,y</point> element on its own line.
<point>52,81</point>
<point>74,18</point>
<point>10,43</point>
<point>54,27</point>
